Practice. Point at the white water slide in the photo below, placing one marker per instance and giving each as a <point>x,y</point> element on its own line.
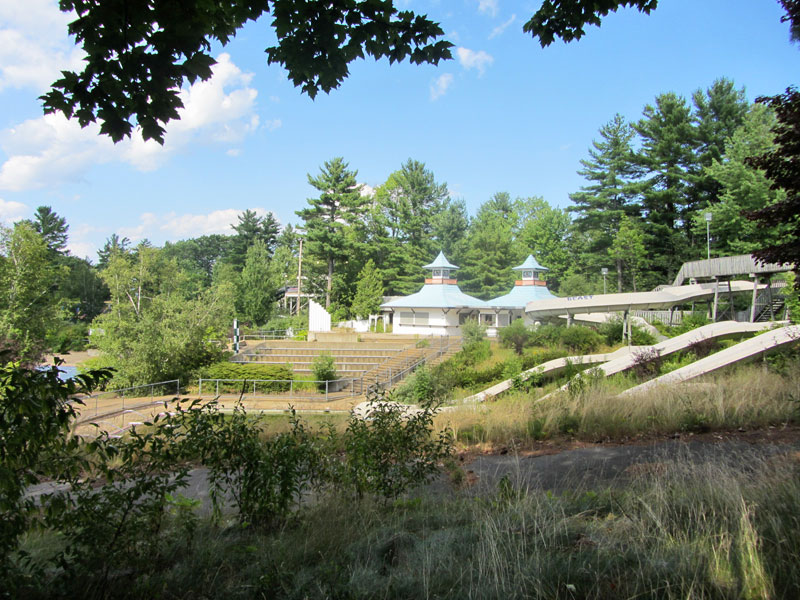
<point>608,303</point>
<point>746,350</point>
<point>625,358</point>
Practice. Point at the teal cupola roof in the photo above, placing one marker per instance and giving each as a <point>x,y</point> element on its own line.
<point>440,262</point>
<point>530,264</point>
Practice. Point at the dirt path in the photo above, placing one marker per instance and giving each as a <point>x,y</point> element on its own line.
<point>582,466</point>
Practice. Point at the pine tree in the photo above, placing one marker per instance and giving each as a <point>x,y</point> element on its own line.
<point>339,207</point>
<point>668,157</point>
<point>369,292</point>
<point>257,287</point>
<point>610,195</point>
<point>52,228</point>
<point>113,245</point>
<point>491,250</point>
<point>402,235</point>
<point>629,248</point>
<point>544,232</point>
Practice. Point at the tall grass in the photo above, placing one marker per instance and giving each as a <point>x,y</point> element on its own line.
<point>748,397</point>
<point>680,531</point>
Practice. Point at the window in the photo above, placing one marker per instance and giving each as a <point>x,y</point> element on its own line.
<point>437,272</point>
<point>445,273</point>
<point>527,274</point>
<point>463,317</point>
<point>406,318</point>
<point>502,319</point>
<point>487,319</point>
<point>421,318</point>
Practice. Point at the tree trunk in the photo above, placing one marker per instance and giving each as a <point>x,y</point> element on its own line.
<point>329,286</point>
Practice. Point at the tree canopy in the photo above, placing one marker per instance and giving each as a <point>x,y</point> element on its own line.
<point>140,53</point>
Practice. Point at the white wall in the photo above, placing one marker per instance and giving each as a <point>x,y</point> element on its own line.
<point>318,317</point>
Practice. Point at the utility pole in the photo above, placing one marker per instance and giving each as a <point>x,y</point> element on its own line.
<point>299,274</point>
<point>708,216</point>
<point>604,273</point>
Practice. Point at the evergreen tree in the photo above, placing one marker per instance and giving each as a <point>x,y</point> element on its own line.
<point>403,231</point>
<point>610,195</point>
<point>491,250</point>
<point>668,157</point>
<point>544,232</point>
<point>251,228</point>
<point>114,244</point>
<point>52,228</point>
<point>257,286</point>
<point>629,248</point>
<point>742,189</point>
<point>339,207</point>
<point>719,111</point>
<point>369,292</point>
<point>450,229</point>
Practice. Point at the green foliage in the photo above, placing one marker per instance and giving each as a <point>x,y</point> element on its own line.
<point>690,322</point>
<point>544,230</point>
<point>324,369</point>
<point>265,478</point>
<point>581,339</point>
<point>516,336</point>
<point>68,337</point>
<point>28,306</point>
<point>160,45</point>
<point>331,220</point>
<point>257,287</point>
<point>612,331</point>
<point>152,332</point>
<point>792,297</point>
<point>369,291</point>
<point>36,412</point>
<point>250,372</point>
<point>392,450</point>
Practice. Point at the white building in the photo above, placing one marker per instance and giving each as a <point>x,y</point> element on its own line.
<point>440,307</point>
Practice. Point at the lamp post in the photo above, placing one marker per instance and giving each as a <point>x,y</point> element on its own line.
<point>708,216</point>
<point>604,273</point>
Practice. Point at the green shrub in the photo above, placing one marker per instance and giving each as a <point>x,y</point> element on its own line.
<point>68,337</point>
<point>537,356</point>
<point>546,335</point>
<point>324,369</point>
<point>277,377</point>
<point>612,333</point>
<point>391,451</point>
<point>516,336</point>
<point>692,321</point>
<point>581,339</point>
<point>512,367</point>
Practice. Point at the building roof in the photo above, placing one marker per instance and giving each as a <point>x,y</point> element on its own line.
<point>520,295</point>
<point>437,296</point>
<point>440,262</point>
<point>530,264</point>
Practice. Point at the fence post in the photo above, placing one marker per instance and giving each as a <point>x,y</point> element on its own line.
<point>200,387</point>
<point>217,387</point>
<point>254,388</point>
<point>326,390</point>
<point>291,388</point>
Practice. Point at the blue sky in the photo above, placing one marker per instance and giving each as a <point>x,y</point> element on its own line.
<point>504,115</point>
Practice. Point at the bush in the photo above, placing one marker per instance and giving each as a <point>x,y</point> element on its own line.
<point>392,450</point>
<point>579,338</point>
<point>546,335</point>
<point>537,356</point>
<point>68,337</point>
<point>250,372</point>
<point>693,321</point>
<point>516,336</point>
<point>612,333</point>
<point>324,369</point>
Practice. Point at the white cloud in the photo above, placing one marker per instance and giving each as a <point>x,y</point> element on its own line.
<point>11,211</point>
<point>502,27</point>
<point>233,151</point>
<point>34,45</point>
<point>488,7</point>
<point>440,85</point>
<point>273,124</point>
<point>51,149</point>
<point>173,226</point>
<point>470,59</point>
